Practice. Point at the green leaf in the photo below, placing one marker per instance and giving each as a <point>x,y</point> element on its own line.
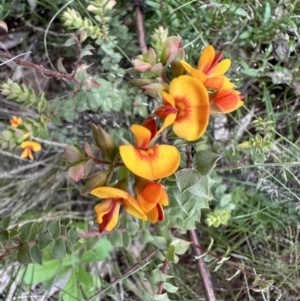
<point>36,255</point>
<point>202,189</point>
<point>37,274</point>
<point>25,231</point>
<point>170,254</point>
<point>116,238</point>
<point>170,288</point>
<point>4,222</point>
<point>99,253</point>
<point>187,178</point>
<point>54,229</point>
<point>4,236</point>
<point>97,180</point>
<point>126,240</point>
<point>34,231</point>
<point>73,237</point>
<point>160,242</point>
<point>44,240</point>
<point>180,245</point>
<point>205,161</point>
<point>162,297</point>
<point>23,255</point>
<point>146,236</point>
<point>73,154</point>
<point>267,13</point>
<point>58,248</point>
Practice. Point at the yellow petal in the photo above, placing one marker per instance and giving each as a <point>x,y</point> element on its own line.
<point>107,214</point>
<point>35,146</point>
<point>218,83</point>
<point>156,214</point>
<point>191,98</point>
<point>106,192</point>
<point>198,74</point>
<point>150,195</point>
<point>154,163</point>
<point>133,207</point>
<point>206,58</point>
<point>168,99</point>
<point>142,135</point>
<point>220,68</point>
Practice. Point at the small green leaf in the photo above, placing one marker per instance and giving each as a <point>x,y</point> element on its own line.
<point>73,237</point>
<point>267,13</point>
<point>170,288</point>
<point>36,255</point>
<point>126,240</point>
<point>180,245</point>
<point>159,242</point>
<point>4,236</point>
<point>116,239</point>
<point>98,254</point>
<point>34,231</point>
<point>187,178</point>
<point>59,248</point>
<point>170,254</point>
<point>73,154</point>
<point>205,161</point>
<point>4,223</point>
<point>146,236</point>
<point>23,255</point>
<point>54,229</point>
<point>25,231</point>
<point>44,240</point>
<point>162,297</point>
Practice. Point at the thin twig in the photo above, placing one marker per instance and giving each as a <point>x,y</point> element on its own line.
<point>202,268</point>
<point>126,273</point>
<point>164,272</point>
<point>140,25</point>
<point>78,55</point>
<point>39,68</point>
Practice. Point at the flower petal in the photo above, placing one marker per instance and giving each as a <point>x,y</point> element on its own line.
<point>150,195</point>
<point>220,68</point>
<point>106,192</point>
<point>206,59</point>
<point>35,146</point>
<point>218,83</point>
<point>154,163</point>
<point>156,214</point>
<point>191,98</point>
<point>133,207</point>
<point>228,100</point>
<point>142,135</point>
<point>198,74</point>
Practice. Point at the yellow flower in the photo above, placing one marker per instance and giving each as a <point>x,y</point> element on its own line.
<point>30,146</point>
<point>108,210</point>
<point>147,161</point>
<point>186,106</point>
<point>225,101</point>
<point>15,121</point>
<point>210,71</point>
<point>152,196</point>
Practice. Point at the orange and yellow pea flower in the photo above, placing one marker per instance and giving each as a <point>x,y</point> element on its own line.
<point>152,196</point>
<point>225,101</point>
<point>210,71</point>
<point>148,161</point>
<point>29,147</point>
<point>15,121</point>
<point>186,106</point>
<point>108,210</point>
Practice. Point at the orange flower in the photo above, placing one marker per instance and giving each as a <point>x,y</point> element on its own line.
<point>186,106</point>
<point>15,121</point>
<point>108,210</point>
<point>225,101</point>
<point>147,161</point>
<point>151,196</point>
<point>30,146</point>
<point>210,70</point>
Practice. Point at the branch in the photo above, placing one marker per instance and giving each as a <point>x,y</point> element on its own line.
<point>164,272</point>
<point>202,268</point>
<point>39,68</point>
<point>139,7</point>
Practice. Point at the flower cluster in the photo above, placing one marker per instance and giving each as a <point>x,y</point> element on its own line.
<point>28,146</point>
<point>189,95</point>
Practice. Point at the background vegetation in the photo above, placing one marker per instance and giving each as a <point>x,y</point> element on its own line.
<point>257,178</point>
